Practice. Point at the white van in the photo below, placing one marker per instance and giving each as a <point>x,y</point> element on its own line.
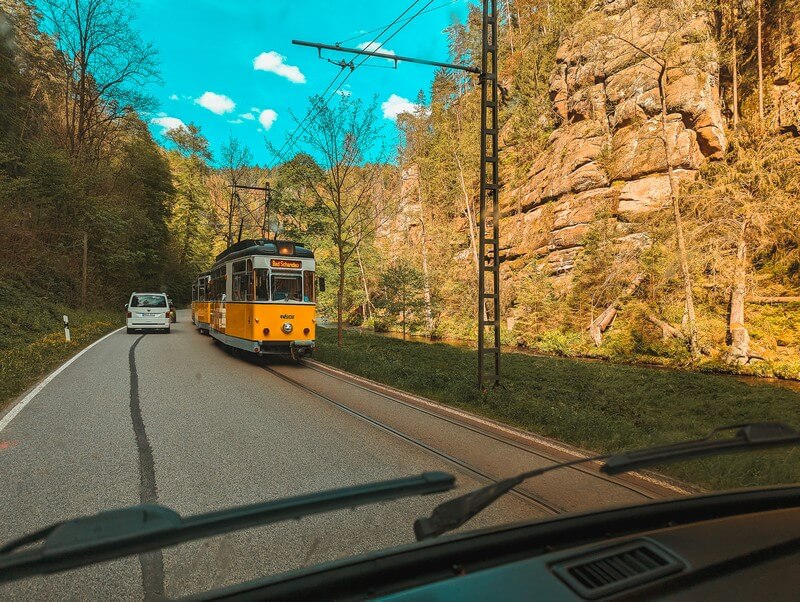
<point>148,311</point>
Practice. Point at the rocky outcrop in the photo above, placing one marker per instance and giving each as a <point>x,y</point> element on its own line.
<point>606,156</point>
<point>786,74</point>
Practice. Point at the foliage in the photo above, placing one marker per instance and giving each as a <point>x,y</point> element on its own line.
<point>32,336</point>
<point>400,296</point>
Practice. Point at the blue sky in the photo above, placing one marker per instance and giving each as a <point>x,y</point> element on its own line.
<point>209,51</point>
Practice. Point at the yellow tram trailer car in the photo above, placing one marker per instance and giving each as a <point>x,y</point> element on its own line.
<point>201,302</point>
<point>263,297</point>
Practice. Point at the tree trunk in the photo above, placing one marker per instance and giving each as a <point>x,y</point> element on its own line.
<point>339,302</point>
<point>471,221</point>
<point>510,25</point>
<point>426,287</point>
<point>472,236</point>
<point>230,218</point>
<point>367,298</point>
<point>760,64</point>
<point>739,337</point>
<point>683,256</point>
<point>601,323</point>
<point>735,68</point>
<point>667,330</point>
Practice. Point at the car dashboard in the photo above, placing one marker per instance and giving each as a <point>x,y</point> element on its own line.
<point>755,556</point>
<point>732,545</point>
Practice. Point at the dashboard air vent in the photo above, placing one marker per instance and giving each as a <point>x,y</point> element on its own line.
<point>616,569</point>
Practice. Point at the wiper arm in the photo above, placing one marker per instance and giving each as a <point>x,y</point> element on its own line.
<point>118,533</point>
<point>454,513</point>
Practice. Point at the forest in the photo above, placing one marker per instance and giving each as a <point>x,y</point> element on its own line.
<point>650,163</point>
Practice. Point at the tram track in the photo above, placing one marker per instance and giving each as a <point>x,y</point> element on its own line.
<point>532,499</point>
<point>485,432</point>
<point>540,502</point>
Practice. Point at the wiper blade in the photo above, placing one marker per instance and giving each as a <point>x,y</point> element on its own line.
<point>454,513</point>
<point>758,435</point>
<point>118,533</point>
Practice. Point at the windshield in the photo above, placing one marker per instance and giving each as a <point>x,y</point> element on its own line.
<point>564,231</point>
<point>287,287</point>
<point>148,301</point>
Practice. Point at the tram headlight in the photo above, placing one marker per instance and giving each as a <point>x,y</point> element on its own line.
<point>286,328</point>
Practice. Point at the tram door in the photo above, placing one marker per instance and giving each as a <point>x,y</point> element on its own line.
<point>223,320</point>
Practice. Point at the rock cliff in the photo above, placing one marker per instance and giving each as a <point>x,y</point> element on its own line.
<point>607,153</point>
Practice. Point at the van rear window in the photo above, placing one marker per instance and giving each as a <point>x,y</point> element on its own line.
<point>149,301</point>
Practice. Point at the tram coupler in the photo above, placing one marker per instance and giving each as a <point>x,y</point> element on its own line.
<point>300,349</point>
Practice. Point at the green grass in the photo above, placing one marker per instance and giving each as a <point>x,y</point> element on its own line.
<point>32,336</point>
<point>590,404</point>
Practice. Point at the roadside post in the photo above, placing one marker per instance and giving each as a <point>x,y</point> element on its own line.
<point>66,329</point>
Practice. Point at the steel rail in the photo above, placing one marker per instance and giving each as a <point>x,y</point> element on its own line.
<point>532,499</point>
<point>491,435</point>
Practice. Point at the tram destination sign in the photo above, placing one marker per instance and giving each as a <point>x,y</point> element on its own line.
<point>286,263</point>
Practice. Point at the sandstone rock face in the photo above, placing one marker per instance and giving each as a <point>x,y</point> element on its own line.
<point>607,156</point>
<point>786,77</point>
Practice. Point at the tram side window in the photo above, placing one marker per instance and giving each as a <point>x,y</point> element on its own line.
<point>262,285</point>
<point>242,282</point>
<point>308,286</point>
<point>194,292</point>
<point>287,287</point>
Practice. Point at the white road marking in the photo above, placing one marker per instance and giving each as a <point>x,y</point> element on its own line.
<point>29,397</point>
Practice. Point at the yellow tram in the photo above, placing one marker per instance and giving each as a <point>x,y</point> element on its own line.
<point>260,296</point>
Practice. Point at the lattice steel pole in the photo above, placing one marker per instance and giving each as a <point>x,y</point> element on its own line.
<point>489,213</point>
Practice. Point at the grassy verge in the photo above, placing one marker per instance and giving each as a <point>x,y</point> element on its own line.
<point>32,337</point>
<point>593,405</point>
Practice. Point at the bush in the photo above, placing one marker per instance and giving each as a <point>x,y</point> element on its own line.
<point>557,342</point>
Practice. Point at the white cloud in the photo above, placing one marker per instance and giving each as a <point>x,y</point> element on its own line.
<point>173,97</point>
<point>274,63</point>
<point>254,109</point>
<point>167,123</point>
<point>343,92</point>
<point>396,105</point>
<point>216,103</point>
<point>248,116</point>
<point>374,47</point>
<point>235,121</point>
<point>267,118</point>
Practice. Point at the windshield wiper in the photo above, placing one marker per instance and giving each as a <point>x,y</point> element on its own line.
<point>117,533</point>
<point>454,513</point>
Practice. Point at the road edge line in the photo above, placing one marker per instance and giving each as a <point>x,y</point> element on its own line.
<point>20,405</point>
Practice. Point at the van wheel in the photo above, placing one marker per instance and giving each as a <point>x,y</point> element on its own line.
<point>129,330</point>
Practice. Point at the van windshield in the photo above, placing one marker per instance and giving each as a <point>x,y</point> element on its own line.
<point>148,301</point>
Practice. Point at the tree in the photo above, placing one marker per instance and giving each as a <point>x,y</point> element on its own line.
<point>401,289</point>
<point>102,64</point>
<point>659,53</point>
<point>235,158</point>
<point>191,210</point>
<point>347,140</point>
<point>746,208</point>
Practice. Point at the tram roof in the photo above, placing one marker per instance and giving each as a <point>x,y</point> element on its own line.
<point>262,246</point>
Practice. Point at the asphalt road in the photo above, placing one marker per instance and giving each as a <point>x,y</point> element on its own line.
<point>176,420</point>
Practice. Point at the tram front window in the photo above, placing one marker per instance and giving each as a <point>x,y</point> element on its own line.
<point>286,287</point>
